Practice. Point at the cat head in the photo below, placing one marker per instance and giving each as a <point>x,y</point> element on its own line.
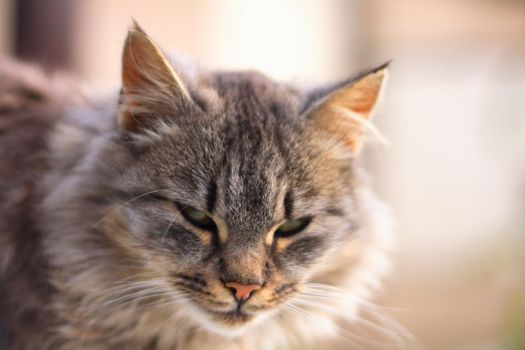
<point>224,193</point>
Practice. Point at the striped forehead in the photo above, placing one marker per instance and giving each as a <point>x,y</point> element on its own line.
<point>251,182</point>
<point>253,165</point>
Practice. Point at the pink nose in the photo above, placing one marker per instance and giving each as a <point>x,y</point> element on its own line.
<point>242,291</point>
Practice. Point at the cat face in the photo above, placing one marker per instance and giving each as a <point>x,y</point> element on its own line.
<point>220,194</point>
<point>240,210</point>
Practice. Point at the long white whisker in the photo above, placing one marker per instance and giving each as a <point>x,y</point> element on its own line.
<point>122,205</point>
<point>166,230</point>
<point>301,311</point>
<point>319,295</point>
<point>337,292</point>
<point>332,310</point>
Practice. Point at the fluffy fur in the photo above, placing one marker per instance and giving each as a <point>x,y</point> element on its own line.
<point>94,251</point>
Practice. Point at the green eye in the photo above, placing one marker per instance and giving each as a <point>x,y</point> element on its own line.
<point>198,218</point>
<point>291,227</point>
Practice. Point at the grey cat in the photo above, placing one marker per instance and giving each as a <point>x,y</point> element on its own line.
<point>196,210</point>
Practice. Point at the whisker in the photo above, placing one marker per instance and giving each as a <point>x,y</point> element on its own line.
<point>340,292</point>
<point>321,292</point>
<point>390,334</point>
<point>301,312</point>
<point>152,292</point>
<point>122,205</point>
<point>167,230</point>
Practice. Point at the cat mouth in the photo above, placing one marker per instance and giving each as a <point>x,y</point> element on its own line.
<point>235,316</point>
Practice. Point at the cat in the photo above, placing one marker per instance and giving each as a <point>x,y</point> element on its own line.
<point>191,210</point>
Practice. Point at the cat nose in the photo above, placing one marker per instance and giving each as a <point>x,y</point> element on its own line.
<point>242,291</point>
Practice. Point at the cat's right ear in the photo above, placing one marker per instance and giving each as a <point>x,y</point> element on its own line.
<point>149,82</point>
<point>345,110</point>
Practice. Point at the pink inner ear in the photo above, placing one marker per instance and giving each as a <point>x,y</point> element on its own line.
<point>363,101</point>
<point>148,82</point>
<point>131,78</point>
<point>142,63</point>
<point>363,95</point>
<point>130,75</point>
<point>359,100</point>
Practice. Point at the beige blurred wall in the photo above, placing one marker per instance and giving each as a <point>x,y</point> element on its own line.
<point>6,18</point>
<point>297,39</point>
<point>454,172</point>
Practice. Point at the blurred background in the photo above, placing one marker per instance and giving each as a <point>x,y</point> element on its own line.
<point>454,116</point>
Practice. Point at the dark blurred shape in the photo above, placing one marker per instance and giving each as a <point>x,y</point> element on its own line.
<point>44,32</point>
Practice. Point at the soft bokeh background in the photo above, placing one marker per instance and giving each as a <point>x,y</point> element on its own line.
<point>454,115</point>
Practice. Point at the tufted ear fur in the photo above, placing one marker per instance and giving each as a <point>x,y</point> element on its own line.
<point>149,83</point>
<point>344,112</point>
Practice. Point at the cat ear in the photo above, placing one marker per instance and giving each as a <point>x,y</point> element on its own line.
<point>149,81</point>
<point>343,113</point>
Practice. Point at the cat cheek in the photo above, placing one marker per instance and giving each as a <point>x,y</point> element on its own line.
<point>303,252</point>
<point>180,241</point>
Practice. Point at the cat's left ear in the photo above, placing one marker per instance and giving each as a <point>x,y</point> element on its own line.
<point>344,112</point>
<point>150,85</point>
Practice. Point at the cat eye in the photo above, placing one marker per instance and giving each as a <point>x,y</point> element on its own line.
<point>198,218</point>
<point>292,227</point>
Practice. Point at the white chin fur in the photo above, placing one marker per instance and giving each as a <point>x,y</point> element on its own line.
<point>203,319</point>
